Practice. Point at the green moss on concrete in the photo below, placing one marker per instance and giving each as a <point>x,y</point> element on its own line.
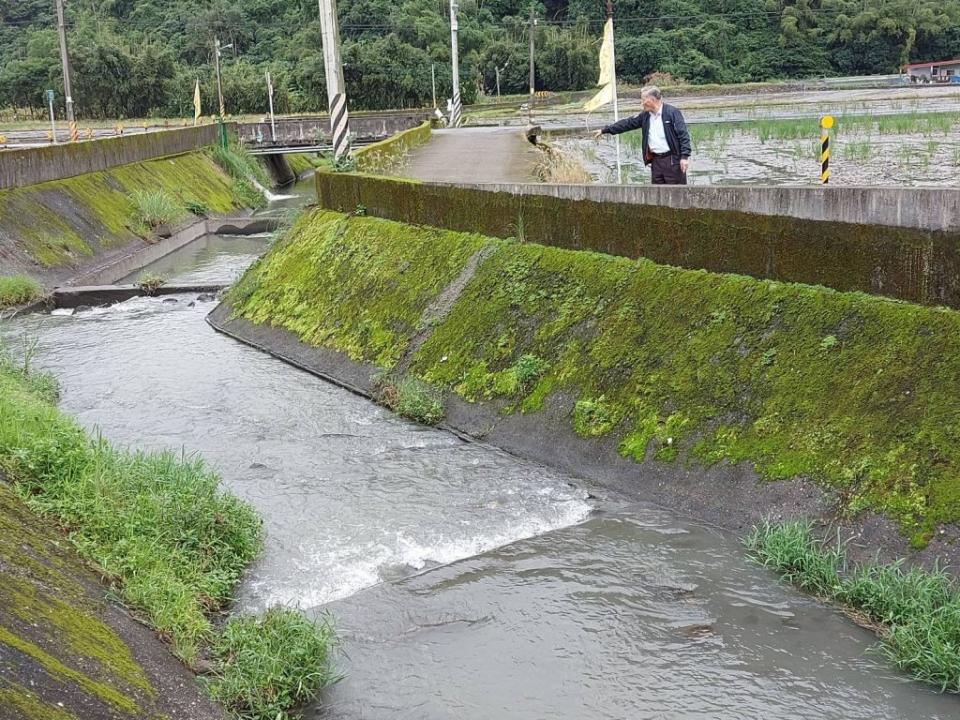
<point>905,263</point>
<point>386,155</point>
<point>856,392</point>
<point>62,222</point>
<point>79,632</point>
<point>47,614</point>
<point>357,284</point>
<point>301,163</point>
<point>28,705</point>
<point>54,667</point>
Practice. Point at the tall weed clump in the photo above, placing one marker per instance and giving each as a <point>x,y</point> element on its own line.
<point>18,289</point>
<point>243,168</point>
<point>915,611</point>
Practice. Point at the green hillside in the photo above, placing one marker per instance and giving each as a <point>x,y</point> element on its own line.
<point>135,58</point>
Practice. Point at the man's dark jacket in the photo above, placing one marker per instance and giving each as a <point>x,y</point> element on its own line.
<point>674,127</point>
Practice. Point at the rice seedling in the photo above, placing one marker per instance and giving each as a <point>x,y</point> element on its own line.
<point>857,150</point>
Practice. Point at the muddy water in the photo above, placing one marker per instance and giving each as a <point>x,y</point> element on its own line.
<point>633,614</point>
<point>210,259</point>
<point>351,495</point>
<point>466,583</point>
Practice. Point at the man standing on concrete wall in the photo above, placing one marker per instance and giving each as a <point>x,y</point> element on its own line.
<point>666,141</point>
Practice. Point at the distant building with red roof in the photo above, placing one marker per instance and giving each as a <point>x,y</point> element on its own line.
<point>937,71</point>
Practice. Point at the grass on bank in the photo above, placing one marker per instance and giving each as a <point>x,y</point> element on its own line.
<point>18,289</point>
<point>916,612</point>
<point>271,663</point>
<point>241,166</point>
<point>152,208</point>
<point>165,535</point>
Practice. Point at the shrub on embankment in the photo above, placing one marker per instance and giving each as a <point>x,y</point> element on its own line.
<point>160,529</point>
<point>916,613</point>
<point>66,222</point>
<point>853,391</point>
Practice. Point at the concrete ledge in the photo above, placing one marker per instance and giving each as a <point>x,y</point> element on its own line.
<point>55,162</point>
<point>244,225</point>
<point>900,243</point>
<point>141,256</point>
<point>74,297</point>
<point>936,209</point>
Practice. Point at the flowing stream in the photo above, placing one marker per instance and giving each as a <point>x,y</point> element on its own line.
<point>466,583</point>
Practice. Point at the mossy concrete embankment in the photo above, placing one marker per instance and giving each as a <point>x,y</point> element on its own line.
<point>55,230</point>
<point>724,396</point>
<point>896,242</point>
<point>65,651</point>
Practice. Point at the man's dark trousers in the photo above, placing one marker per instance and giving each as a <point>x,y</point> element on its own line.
<point>666,170</point>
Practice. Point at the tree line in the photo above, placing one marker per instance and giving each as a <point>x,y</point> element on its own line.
<point>141,58</point>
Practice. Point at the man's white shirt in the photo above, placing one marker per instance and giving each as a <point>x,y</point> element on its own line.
<point>658,136</point>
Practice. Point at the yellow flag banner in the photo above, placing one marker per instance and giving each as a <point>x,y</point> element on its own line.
<point>600,99</point>
<point>606,54</point>
<point>607,72</point>
<point>196,102</point>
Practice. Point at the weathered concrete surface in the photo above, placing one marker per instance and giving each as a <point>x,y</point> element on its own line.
<point>140,254</point>
<point>934,209</point>
<point>300,132</point>
<point>61,231</point>
<point>65,650</point>
<point>55,162</point>
<point>903,244</point>
<point>473,155</point>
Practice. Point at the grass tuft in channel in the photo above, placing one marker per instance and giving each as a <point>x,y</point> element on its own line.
<point>18,289</point>
<point>155,207</point>
<point>916,612</point>
<point>272,663</point>
<point>411,398</point>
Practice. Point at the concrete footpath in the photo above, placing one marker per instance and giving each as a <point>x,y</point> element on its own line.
<point>474,155</point>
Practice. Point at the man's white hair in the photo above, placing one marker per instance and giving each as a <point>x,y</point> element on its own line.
<point>651,90</point>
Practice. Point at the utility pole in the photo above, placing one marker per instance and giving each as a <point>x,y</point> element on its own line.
<point>499,70</point>
<point>65,57</point>
<point>613,81</point>
<point>216,55</point>
<point>336,89</point>
<point>455,61</point>
<point>273,124</point>
<point>533,23</point>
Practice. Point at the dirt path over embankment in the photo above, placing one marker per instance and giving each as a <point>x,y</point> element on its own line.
<point>473,155</point>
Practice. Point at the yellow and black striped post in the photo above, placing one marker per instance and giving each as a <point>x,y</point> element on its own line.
<point>74,131</point>
<point>826,122</point>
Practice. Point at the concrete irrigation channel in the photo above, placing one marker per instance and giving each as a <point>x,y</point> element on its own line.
<point>466,581</point>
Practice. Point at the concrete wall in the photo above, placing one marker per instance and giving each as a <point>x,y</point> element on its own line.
<point>316,130</point>
<point>386,154</point>
<point>55,162</point>
<point>902,243</point>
